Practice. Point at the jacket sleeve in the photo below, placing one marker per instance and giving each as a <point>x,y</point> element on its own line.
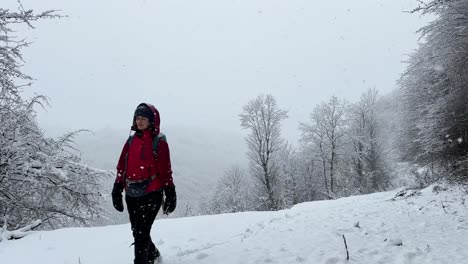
<point>164,163</point>
<point>121,164</point>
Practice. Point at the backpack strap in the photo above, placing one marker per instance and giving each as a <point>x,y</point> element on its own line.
<point>129,140</point>
<point>156,140</point>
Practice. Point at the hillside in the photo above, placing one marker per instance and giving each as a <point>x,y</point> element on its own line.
<point>416,227</point>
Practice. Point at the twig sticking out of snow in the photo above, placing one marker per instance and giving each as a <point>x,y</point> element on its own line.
<point>346,246</point>
<point>443,207</point>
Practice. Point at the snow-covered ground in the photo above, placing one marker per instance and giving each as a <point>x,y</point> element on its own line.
<point>423,228</point>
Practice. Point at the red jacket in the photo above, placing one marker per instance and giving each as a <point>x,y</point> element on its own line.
<point>141,161</point>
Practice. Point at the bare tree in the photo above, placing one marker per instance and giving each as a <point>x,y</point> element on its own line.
<point>288,169</point>
<point>308,177</point>
<point>262,117</point>
<point>364,133</point>
<point>325,132</point>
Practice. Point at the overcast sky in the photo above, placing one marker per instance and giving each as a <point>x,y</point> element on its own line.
<point>200,61</point>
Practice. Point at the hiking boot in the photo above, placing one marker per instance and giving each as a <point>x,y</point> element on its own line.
<point>154,256</point>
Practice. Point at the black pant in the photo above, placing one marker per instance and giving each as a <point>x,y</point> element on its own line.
<point>142,212</point>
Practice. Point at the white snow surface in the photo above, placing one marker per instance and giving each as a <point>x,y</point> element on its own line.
<point>416,227</point>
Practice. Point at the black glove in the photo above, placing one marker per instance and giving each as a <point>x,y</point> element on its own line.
<point>117,196</point>
<point>171,199</point>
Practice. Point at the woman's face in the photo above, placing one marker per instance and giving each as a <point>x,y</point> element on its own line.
<point>142,123</point>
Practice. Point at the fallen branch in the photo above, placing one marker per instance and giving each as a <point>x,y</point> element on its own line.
<point>19,233</point>
<point>346,246</point>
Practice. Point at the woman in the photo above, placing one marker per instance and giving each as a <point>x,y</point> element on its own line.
<point>144,171</point>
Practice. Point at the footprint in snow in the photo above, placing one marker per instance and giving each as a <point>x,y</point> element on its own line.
<point>410,256</point>
<point>394,242</point>
<point>202,256</point>
<point>274,220</point>
<point>300,259</point>
<point>332,260</point>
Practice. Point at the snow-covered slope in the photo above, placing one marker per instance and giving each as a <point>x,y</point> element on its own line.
<point>422,228</point>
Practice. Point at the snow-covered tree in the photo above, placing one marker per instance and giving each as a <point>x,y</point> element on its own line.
<point>40,178</point>
<point>365,138</point>
<point>434,94</point>
<point>188,211</point>
<point>262,118</point>
<point>233,193</point>
<point>324,134</point>
<point>309,178</point>
<point>288,171</point>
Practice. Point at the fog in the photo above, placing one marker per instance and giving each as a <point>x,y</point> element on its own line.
<point>199,62</point>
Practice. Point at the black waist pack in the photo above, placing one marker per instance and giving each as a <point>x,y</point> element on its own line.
<point>137,188</point>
